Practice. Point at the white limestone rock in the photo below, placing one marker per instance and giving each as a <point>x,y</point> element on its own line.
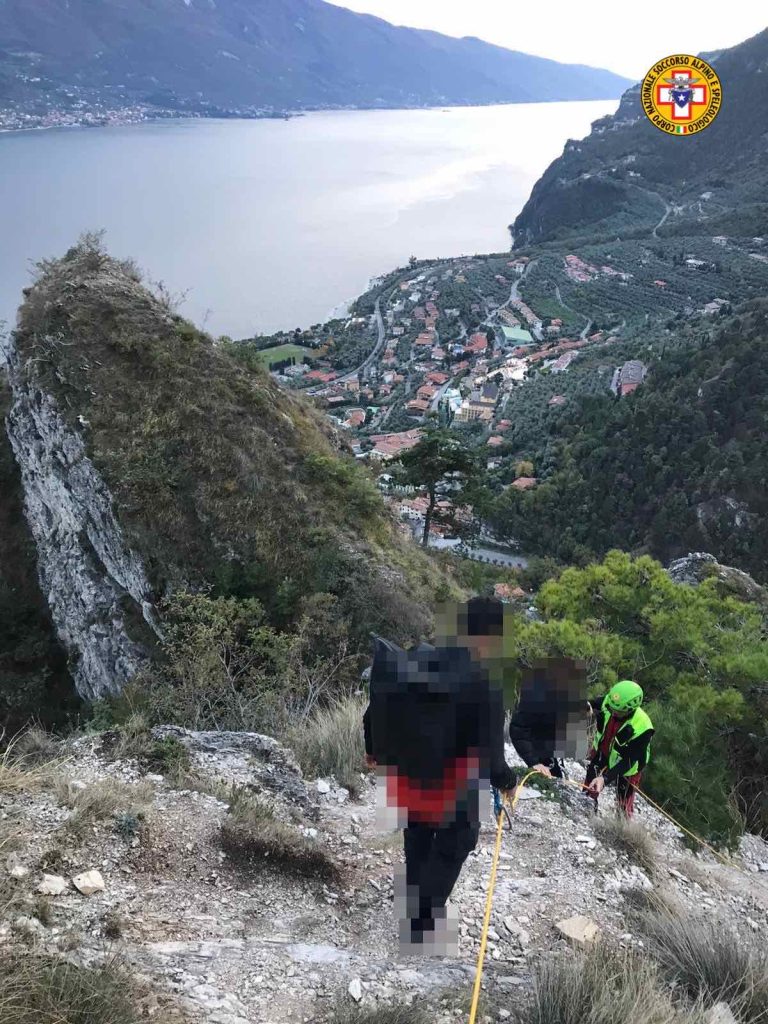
<point>579,930</point>
<point>89,882</point>
<point>52,885</point>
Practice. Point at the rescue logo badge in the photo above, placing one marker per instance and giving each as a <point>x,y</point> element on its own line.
<point>681,95</point>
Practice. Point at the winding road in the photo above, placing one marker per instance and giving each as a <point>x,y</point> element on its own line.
<point>370,358</point>
<point>565,305</point>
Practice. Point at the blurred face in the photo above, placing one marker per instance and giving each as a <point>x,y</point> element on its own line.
<point>483,648</point>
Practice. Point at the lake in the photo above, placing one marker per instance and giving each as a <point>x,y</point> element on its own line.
<point>263,225</point>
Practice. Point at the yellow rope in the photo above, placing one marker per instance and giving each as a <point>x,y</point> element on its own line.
<point>728,863</point>
<point>724,860</point>
<point>495,864</point>
<point>489,897</point>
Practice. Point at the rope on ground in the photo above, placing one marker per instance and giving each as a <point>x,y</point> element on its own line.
<point>495,863</point>
<point>724,860</point>
<point>489,897</point>
<point>719,856</point>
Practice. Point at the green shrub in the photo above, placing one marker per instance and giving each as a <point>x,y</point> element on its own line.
<point>168,756</point>
<point>690,774</point>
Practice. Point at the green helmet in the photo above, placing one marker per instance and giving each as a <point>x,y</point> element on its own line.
<point>624,696</point>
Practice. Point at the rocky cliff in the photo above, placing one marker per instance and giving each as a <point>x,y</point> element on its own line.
<point>627,175</point>
<point>153,461</point>
<point>92,582</point>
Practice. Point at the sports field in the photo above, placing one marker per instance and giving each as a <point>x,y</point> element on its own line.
<point>270,356</point>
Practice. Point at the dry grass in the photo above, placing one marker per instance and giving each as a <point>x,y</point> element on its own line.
<point>10,836</point>
<point>36,989</point>
<point>217,788</point>
<point>601,987</point>
<point>710,962</point>
<point>37,746</point>
<point>653,901</point>
<point>331,743</point>
<point>347,1013</point>
<point>629,837</point>
<point>50,990</point>
<point>254,839</point>
<point>20,774</point>
<point>102,800</point>
<point>43,910</point>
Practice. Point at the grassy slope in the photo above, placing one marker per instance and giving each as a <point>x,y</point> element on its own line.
<point>219,477</point>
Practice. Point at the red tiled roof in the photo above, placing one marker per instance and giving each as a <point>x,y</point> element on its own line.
<point>417,405</point>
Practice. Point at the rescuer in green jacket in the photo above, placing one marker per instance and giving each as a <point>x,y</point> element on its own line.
<point>622,746</point>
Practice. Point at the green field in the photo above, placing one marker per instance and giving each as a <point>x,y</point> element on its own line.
<point>269,356</point>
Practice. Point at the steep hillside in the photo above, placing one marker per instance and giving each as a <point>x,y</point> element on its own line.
<point>154,463</point>
<point>262,54</point>
<point>627,173</point>
<point>678,466</point>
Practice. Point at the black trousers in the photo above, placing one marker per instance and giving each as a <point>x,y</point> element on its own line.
<point>433,861</point>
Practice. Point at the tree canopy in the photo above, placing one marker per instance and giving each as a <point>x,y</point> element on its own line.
<point>701,659</point>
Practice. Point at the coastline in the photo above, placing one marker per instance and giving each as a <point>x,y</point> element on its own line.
<point>158,117</point>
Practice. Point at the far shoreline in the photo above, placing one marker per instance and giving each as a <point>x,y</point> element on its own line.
<point>289,115</point>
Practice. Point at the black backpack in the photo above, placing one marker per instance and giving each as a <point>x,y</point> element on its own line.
<point>423,707</point>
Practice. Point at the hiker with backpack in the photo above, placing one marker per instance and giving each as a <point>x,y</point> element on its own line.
<point>435,729</point>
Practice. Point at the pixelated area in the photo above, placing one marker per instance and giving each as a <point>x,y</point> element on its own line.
<point>434,727</point>
<point>553,705</point>
<point>423,927</point>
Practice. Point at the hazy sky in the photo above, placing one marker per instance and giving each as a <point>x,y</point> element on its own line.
<point>625,37</point>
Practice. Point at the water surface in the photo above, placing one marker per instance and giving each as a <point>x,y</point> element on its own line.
<point>271,224</point>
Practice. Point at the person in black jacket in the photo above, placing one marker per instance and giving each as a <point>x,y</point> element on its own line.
<point>435,730</point>
<point>549,722</point>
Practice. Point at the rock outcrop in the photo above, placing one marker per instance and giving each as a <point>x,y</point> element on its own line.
<point>138,482</point>
<point>93,583</point>
<point>269,764</point>
<point>695,568</point>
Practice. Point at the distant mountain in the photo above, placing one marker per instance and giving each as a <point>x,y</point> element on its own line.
<point>623,174</point>
<point>250,54</point>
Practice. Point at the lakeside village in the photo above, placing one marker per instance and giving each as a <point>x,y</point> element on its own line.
<point>487,345</point>
<point>37,102</point>
<point>453,342</point>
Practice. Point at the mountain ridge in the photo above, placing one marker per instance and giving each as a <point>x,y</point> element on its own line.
<point>271,54</point>
<point>602,178</point>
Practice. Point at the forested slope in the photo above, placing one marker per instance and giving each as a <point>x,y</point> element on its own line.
<point>680,465</point>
